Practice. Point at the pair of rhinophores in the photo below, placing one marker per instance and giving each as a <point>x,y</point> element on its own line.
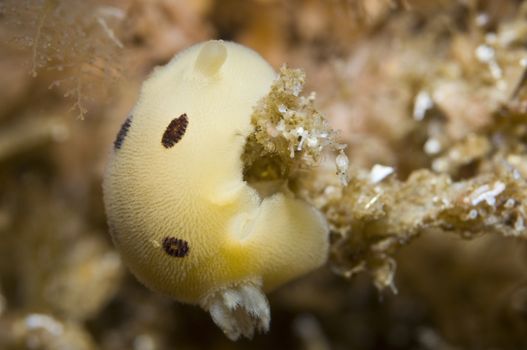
<point>179,211</point>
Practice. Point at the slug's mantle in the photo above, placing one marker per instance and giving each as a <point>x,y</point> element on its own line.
<point>182,216</point>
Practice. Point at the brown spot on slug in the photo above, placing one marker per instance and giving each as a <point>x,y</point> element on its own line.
<point>175,131</point>
<point>122,133</point>
<point>175,247</point>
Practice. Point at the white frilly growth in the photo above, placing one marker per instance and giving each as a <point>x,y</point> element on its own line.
<point>239,310</point>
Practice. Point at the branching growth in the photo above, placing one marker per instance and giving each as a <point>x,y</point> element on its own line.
<point>290,135</point>
<point>75,41</point>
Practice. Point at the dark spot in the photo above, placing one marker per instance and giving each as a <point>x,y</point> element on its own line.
<point>122,133</point>
<point>138,40</point>
<point>175,131</point>
<point>175,247</point>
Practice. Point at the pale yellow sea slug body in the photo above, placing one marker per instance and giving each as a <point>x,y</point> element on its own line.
<point>180,213</point>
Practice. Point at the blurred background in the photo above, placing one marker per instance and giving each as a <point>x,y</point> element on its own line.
<point>70,71</point>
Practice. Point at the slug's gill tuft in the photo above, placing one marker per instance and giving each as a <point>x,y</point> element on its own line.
<point>180,212</point>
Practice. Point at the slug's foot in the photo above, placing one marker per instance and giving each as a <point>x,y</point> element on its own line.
<point>240,310</point>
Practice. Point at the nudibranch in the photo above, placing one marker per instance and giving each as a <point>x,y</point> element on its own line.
<point>179,211</point>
